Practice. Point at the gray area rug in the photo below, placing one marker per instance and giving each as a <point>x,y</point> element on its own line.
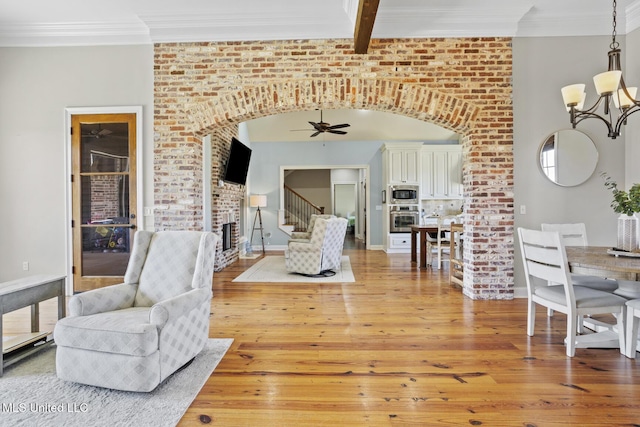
<point>32,395</point>
<point>272,269</point>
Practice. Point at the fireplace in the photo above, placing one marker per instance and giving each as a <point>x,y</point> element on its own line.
<point>227,236</point>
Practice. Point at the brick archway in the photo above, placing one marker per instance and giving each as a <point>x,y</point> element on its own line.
<point>410,100</point>
<point>460,84</point>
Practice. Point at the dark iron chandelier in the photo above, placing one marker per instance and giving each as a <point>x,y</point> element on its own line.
<point>610,87</point>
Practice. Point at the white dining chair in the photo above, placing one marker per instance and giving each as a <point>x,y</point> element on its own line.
<point>545,261</point>
<point>440,243</point>
<point>633,319</point>
<point>575,234</point>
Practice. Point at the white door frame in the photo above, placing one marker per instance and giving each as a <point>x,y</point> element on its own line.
<point>367,173</point>
<point>355,196</point>
<point>72,111</point>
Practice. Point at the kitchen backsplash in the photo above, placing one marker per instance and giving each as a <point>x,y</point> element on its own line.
<point>441,207</point>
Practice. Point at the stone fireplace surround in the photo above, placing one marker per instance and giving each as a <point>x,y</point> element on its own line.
<point>208,88</point>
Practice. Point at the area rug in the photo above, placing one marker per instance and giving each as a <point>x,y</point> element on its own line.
<point>272,269</point>
<point>31,394</point>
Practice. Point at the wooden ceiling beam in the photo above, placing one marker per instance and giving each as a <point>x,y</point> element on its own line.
<point>367,10</point>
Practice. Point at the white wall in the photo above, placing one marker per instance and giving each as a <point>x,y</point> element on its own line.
<point>37,84</point>
<point>541,67</point>
<point>631,73</point>
<point>312,184</point>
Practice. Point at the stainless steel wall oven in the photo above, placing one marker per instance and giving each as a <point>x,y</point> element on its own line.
<point>401,218</point>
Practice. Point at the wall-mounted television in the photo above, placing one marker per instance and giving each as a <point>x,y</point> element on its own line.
<point>237,163</point>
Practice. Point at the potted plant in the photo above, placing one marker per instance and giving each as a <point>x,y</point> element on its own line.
<point>626,203</point>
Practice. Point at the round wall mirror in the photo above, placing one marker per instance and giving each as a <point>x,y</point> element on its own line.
<point>568,157</point>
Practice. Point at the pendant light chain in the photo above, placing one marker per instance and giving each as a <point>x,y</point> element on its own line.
<point>614,44</point>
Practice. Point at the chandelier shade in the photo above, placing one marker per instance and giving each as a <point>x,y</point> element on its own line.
<point>574,95</point>
<point>618,100</point>
<point>624,101</point>
<point>606,83</point>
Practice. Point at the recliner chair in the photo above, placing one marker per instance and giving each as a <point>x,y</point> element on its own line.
<point>134,335</point>
<point>322,253</point>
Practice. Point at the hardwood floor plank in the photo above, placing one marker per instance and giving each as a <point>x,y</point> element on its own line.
<point>402,347</point>
<point>398,347</point>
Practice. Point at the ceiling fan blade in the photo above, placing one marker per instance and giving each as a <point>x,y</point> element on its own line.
<point>315,134</point>
<point>104,132</point>
<point>316,126</point>
<point>343,125</point>
<point>337,132</point>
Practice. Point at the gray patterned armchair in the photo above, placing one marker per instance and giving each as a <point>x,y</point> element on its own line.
<point>322,253</point>
<point>132,336</point>
<point>298,236</point>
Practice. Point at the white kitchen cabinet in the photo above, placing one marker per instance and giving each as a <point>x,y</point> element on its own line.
<point>400,241</point>
<point>441,172</point>
<point>454,173</point>
<point>402,163</point>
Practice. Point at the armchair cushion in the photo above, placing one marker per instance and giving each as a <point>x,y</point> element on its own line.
<point>169,267</point>
<point>127,331</point>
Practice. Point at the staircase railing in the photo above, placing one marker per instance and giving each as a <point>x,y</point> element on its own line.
<point>298,210</point>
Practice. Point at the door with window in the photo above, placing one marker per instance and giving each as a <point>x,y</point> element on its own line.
<point>103,197</point>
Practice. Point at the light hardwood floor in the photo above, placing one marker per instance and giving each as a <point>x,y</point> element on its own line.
<point>399,346</point>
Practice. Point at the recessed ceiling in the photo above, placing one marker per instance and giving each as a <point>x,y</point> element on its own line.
<point>82,22</point>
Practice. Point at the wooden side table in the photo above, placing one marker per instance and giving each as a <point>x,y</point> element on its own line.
<point>21,293</point>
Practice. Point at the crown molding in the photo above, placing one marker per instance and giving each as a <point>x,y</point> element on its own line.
<point>232,27</point>
<point>409,18</point>
<point>632,13</point>
<point>442,19</point>
<point>73,34</point>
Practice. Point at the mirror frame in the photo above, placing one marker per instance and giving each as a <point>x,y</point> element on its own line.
<point>587,167</point>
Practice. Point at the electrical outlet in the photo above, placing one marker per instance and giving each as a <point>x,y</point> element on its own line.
<point>25,265</point>
<point>523,209</point>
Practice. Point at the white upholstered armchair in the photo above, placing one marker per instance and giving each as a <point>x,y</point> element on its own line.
<point>322,253</point>
<point>132,336</point>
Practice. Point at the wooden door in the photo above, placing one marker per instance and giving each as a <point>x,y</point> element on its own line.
<point>103,197</point>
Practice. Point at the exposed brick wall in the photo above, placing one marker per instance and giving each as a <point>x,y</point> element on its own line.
<point>226,200</point>
<point>460,84</point>
<point>105,197</point>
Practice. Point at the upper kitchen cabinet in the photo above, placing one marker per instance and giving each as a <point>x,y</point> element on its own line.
<point>441,172</point>
<point>402,163</point>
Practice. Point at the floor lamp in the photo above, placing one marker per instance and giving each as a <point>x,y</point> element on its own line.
<point>258,201</point>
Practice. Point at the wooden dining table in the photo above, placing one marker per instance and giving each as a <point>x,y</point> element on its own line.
<point>421,231</point>
<point>594,260</point>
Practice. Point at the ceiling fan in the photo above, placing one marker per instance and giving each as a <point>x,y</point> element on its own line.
<point>97,133</point>
<point>322,127</point>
